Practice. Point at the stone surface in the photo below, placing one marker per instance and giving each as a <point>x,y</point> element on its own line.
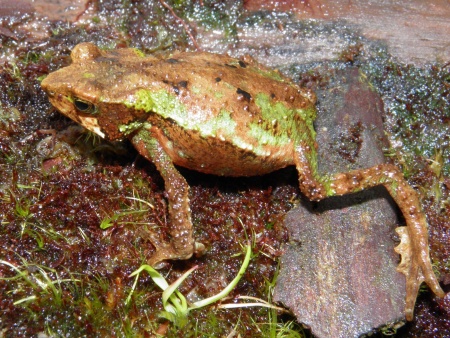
<point>63,10</point>
<point>416,31</point>
<point>338,274</point>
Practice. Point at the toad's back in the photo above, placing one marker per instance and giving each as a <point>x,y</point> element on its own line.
<point>214,114</point>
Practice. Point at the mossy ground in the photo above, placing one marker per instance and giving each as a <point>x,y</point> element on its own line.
<point>61,274</point>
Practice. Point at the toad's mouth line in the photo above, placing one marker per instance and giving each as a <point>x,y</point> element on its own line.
<point>91,123</point>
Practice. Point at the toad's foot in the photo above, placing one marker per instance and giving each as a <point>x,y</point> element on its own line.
<point>416,266</point>
<point>167,251</point>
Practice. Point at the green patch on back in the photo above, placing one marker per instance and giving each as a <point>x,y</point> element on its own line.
<point>160,102</point>
<point>127,129</point>
<point>281,125</point>
<point>218,95</point>
<point>271,74</point>
<point>138,52</point>
<point>168,105</point>
<point>222,124</point>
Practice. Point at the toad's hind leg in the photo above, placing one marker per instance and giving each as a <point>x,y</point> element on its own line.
<point>181,244</point>
<point>417,268</point>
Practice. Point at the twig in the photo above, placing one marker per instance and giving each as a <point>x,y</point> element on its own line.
<point>185,25</point>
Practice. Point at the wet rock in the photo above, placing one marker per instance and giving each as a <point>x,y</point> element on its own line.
<point>64,10</point>
<point>416,31</point>
<point>338,274</point>
<point>15,8</point>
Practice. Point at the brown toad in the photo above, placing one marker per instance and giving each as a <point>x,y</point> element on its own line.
<point>222,116</point>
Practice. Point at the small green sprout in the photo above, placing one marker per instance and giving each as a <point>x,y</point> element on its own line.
<point>175,304</point>
<point>257,302</point>
<point>40,280</point>
<point>109,221</point>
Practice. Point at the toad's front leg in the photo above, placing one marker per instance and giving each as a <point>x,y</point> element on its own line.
<point>416,263</point>
<point>182,244</point>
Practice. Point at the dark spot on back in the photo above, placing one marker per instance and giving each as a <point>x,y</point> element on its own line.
<point>242,64</point>
<point>218,79</point>
<point>176,86</point>
<point>245,94</point>
<point>172,60</point>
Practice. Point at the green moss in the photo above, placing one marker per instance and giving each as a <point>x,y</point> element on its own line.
<point>416,107</point>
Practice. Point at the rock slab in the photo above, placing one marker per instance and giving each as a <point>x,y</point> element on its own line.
<point>338,274</point>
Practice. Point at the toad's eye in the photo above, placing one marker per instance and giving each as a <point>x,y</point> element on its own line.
<point>85,107</point>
